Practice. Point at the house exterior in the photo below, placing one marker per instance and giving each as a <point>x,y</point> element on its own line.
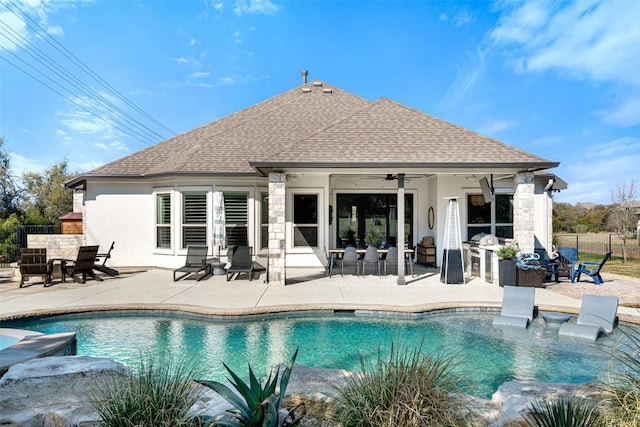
<point>310,169</point>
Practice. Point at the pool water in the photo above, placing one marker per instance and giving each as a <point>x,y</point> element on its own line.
<point>7,341</point>
<point>487,356</point>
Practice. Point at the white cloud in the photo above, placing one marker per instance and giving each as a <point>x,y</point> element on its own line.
<point>462,18</point>
<point>199,75</point>
<point>26,10</point>
<point>193,42</point>
<point>21,164</point>
<point>83,123</point>
<point>255,7</point>
<point>473,69</point>
<point>626,114</point>
<point>614,160</point>
<point>55,30</point>
<point>443,16</point>
<point>188,61</point>
<point>16,31</point>
<point>496,126</point>
<point>595,40</point>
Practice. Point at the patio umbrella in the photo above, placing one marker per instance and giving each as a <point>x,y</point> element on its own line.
<point>219,222</point>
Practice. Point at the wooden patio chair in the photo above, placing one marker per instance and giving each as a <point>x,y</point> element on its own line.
<point>82,266</point>
<point>33,262</point>
<point>102,267</point>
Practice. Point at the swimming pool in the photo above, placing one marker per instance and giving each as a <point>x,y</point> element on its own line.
<point>488,356</point>
<point>7,341</point>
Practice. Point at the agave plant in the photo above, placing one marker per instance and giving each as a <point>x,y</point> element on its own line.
<point>563,412</point>
<point>255,404</point>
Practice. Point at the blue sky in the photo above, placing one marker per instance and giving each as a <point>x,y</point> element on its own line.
<point>558,79</point>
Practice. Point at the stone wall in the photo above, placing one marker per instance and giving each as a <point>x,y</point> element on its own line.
<point>57,245</point>
<point>277,244</point>
<point>524,212</point>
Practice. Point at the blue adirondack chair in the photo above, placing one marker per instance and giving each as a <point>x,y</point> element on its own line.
<point>592,269</point>
<point>567,262</point>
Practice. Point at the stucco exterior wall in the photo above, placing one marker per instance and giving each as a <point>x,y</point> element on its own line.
<point>122,213</point>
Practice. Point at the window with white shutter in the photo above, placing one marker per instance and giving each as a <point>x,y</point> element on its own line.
<point>194,219</point>
<point>163,220</point>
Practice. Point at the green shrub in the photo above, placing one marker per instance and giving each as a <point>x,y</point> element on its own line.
<point>161,394</point>
<point>255,405</point>
<point>507,252</point>
<point>621,388</point>
<point>563,412</point>
<point>407,388</point>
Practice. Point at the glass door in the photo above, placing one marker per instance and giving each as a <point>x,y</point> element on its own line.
<point>371,219</point>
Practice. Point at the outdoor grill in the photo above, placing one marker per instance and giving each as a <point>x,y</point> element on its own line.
<point>473,250</point>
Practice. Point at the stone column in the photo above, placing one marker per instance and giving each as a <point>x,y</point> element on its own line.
<point>277,244</point>
<point>523,212</point>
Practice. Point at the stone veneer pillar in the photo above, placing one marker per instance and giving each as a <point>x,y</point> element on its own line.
<point>523,212</point>
<point>277,252</point>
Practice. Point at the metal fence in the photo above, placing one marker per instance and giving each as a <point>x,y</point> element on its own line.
<point>11,251</point>
<point>596,245</point>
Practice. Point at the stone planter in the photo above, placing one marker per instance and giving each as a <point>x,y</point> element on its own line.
<point>507,272</point>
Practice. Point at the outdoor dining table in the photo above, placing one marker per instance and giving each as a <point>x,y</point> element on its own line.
<point>336,252</point>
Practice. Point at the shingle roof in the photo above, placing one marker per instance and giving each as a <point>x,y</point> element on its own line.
<point>314,124</point>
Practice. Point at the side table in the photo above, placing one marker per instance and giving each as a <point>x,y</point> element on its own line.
<point>217,267</point>
<point>555,318</point>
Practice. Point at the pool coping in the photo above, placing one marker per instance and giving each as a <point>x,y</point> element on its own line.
<point>288,309</point>
<point>34,345</point>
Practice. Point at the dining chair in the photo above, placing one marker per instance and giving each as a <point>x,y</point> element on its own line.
<point>371,256</point>
<point>350,256</point>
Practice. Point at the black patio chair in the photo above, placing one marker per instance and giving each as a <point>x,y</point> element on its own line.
<point>241,262</point>
<point>196,263</point>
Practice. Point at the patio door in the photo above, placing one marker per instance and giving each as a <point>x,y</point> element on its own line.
<point>373,215</point>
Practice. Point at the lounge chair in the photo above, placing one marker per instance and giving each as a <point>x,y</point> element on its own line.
<point>597,315</point>
<point>33,262</point>
<point>196,263</point>
<point>241,262</point>
<point>517,307</point>
<point>592,269</point>
<point>83,265</point>
<point>102,267</point>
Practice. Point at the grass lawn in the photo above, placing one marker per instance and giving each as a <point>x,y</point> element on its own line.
<point>630,268</point>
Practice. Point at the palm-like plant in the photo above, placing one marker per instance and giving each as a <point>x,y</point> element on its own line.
<point>621,389</point>
<point>563,412</point>
<point>255,404</point>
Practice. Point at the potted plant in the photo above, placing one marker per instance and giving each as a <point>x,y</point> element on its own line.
<point>372,237</point>
<point>507,265</point>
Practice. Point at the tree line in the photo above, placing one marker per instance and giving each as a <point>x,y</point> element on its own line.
<point>30,199</point>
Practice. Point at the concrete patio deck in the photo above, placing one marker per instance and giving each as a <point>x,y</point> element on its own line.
<point>307,289</point>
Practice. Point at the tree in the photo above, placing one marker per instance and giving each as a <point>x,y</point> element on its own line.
<point>46,197</point>
<point>9,191</point>
<point>622,218</point>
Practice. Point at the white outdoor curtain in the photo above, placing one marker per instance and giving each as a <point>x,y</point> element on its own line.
<point>219,222</point>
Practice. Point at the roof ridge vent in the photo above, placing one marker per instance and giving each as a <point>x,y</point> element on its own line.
<point>306,90</point>
<point>317,83</point>
<point>327,90</point>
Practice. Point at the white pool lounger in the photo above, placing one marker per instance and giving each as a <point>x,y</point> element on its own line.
<point>517,307</point>
<point>597,315</point>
